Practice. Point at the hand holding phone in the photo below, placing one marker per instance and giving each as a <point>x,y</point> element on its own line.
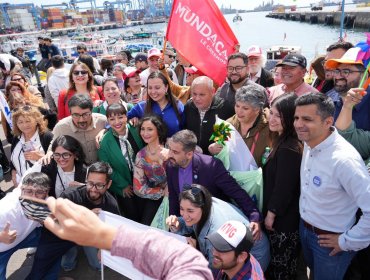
<point>28,146</point>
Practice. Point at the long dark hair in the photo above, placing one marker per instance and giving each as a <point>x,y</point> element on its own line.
<point>171,99</point>
<point>285,105</point>
<point>199,197</point>
<point>70,144</point>
<point>159,125</point>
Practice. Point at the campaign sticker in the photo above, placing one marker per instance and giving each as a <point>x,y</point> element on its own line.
<point>316,181</point>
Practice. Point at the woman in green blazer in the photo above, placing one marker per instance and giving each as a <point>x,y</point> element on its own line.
<point>118,148</point>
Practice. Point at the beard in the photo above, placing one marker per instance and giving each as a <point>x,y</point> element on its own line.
<point>342,86</point>
<point>236,78</point>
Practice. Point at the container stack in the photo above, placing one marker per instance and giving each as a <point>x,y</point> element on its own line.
<point>119,17</point>
<point>21,19</point>
<point>55,17</point>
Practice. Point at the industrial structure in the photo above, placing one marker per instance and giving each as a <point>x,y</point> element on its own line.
<point>68,13</point>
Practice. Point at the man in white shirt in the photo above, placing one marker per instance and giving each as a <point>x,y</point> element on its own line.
<point>18,231</point>
<point>334,184</point>
<point>59,79</point>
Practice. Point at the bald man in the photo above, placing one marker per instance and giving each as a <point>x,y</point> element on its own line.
<point>201,110</point>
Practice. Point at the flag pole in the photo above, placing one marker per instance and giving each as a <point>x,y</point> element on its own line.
<point>342,21</point>
<point>364,76</point>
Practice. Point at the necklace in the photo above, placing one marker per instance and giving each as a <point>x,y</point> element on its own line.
<point>150,152</point>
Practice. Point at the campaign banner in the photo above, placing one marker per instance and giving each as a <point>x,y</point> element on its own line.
<point>199,31</point>
<point>122,265</point>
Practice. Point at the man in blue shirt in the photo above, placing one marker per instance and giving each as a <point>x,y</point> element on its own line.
<point>348,74</point>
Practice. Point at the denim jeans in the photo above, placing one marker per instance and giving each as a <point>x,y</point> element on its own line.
<point>69,260</point>
<point>32,240</point>
<point>261,251</point>
<point>323,266</point>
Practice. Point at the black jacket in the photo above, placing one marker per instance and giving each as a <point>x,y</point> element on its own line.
<point>203,130</point>
<point>281,186</point>
<point>52,169</point>
<point>266,79</point>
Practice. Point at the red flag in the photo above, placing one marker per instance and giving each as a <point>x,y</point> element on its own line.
<point>199,31</point>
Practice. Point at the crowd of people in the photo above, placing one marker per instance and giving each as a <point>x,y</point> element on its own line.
<point>133,137</point>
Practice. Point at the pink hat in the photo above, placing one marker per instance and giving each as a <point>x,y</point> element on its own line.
<point>130,72</point>
<point>254,51</point>
<point>154,52</point>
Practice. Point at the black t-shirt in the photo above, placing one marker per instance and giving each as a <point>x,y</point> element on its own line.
<point>79,196</point>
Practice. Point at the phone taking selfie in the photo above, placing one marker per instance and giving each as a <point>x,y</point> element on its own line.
<point>34,208</point>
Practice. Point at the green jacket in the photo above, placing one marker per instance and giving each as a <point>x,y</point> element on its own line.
<point>110,152</point>
<point>360,139</point>
<point>101,110</point>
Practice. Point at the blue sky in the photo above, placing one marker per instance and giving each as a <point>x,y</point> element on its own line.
<point>238,4</point>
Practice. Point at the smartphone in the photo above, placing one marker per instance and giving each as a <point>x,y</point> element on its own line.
<point>28,146</point>
<point>34,208</point>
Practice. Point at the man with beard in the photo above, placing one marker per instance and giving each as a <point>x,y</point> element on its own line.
<point>257,73</point>
<point>186,167</point>
<point>348,74</point>
<point>232,243</point>
<point>293,70</point>
<point>334,51</point>
<point>94,196</point>
<point>82,124</point>
<point>237,75</point>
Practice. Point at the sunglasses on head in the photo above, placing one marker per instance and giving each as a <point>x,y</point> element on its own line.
<point>194,190</point>
<point>82,73</point>
<point>24,108</point>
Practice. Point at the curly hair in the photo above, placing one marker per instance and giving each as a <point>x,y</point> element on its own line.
<point>31,112</point>
<point>90,82</point>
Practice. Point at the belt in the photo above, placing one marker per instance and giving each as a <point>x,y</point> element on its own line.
<point>316,230</point>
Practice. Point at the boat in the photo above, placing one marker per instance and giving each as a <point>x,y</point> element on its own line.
<point>276,53</point>
<point>237,17</point>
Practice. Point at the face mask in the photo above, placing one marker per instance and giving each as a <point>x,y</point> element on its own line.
<point>34,210</point>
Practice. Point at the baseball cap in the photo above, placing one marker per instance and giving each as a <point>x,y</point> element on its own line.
<point>254,51</point>
<point>141,57</point>
<point>130,72</point>
<point>154,52</point>
<point>349,57</point>
<point>294,59</point>
<point>230,236</point>
<point>193,70</point>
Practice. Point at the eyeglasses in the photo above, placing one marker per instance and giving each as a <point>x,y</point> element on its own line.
<point>24,108</point>
<point>237,69</point>
<point>82,73</point>
<point>344,72</point>
<point>98,186</point>
<point>194,190</point>
<point>64,156</point>
<point>36,193</point>
<point>84,115</point>
<point>17,80</point>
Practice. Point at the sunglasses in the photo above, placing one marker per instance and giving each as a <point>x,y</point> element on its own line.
<point>24,108</point>
<point>172,56</point>
<point>194,190</point>
<point>82,73</point>
<point>17,80</point>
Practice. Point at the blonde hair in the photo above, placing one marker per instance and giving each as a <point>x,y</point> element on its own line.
<point>31,112</point>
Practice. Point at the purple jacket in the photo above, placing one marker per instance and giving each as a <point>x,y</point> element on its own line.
<point>211,173</point>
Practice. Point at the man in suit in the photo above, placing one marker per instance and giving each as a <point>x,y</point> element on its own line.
<point>257,73</point>
<point>187,167</point>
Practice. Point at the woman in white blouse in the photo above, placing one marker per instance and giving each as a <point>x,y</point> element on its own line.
<point>31,140</point>
<point>67,167</point>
